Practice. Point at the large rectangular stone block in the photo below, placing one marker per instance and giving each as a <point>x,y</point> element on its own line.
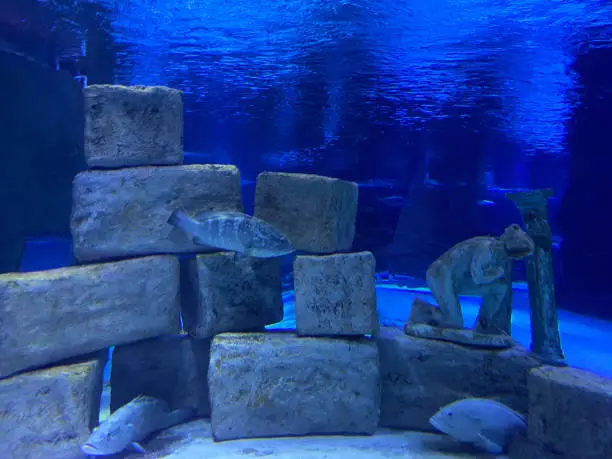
<point>419,376</point>
<point>173,368</point>
<point>133,126</point>
<point>335,294</point>
<point>222,292</point>
<point>316,213</point>
<point>124,213</point>
<point>47,414</point>
<point>277,384</point>
<point>48,316</point>
<point>570,412</point>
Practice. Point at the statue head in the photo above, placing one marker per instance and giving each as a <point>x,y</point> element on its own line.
<point>517,244</point>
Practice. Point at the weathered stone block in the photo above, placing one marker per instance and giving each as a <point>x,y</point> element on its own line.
<point>419,376</point>
<point>277,384</point>
<point>523,448</point>
<point>570,412</point>
<point>125,212</point>
<point>133,126</point>
<point>47,413</point>
<point>335,294</point>
<point>173,368</point>
<point>48,316</point>
<point>316,213</point>
<point>225,293</point>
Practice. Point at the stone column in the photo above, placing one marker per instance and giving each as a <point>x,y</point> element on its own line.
<point>545,339</point>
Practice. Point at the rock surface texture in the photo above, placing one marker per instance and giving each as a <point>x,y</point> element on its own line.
<point>419,376</point>
<point>277,384</point>
<point>172,368</point>
<point>47,414</point>
<point>124,213</point>
<point>52,315</point>
<point>133,126</point>
<point>223,292</point>
<point>570,412</point>
<point>316,213</point>
<point>335,294</point>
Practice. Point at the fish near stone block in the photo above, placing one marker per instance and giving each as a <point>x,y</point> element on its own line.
<point>278,384</point>
<point>133,126</point>
<point>124,213</point>
<point>316,213</point>
<point>570,412</point>
<point>335,294</point>
<point>419,376</point>
<point>172,368</point>
<point>47,413</point>
<point>223,292</point>
<point>48,316</point>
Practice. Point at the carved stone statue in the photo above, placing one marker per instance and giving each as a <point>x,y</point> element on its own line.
<point>479,266</point>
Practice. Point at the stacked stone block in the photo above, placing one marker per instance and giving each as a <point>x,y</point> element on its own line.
<point>325,378</point>
<point>570,416</point>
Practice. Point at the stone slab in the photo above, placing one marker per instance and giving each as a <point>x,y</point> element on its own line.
<point>223,292</point>
<point>133,126</point>
<point>335,294</point>
<point>419,376</point>
<point>523,448</point>
<point>316,213</point>
<point>173,368</point>
<point>48,316</point>
<point>570,412</point>
<point>48,413</point>
<point>124,213</point>
<point>278,384</point>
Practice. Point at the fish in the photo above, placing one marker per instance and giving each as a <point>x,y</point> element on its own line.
<point>131,424</point>
<point>484,423</point>
<point>233,231</point>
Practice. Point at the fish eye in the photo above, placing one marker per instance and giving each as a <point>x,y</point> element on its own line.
<point>450,415</point>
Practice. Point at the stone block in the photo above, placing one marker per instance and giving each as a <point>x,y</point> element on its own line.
<point>133,126</point>
<point>48,413</point>
<point>570,412</point>
<point>278,384</point>
<point>124,213</point>
<point>335,294</point>
<point>316,213</point>
<point>47,316</point>
<point>523,448</point>
<point>173,368</point>
<point>419,376</point>
<point>223,292</point>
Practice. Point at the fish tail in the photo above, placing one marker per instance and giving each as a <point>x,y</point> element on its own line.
<point>178,218</point>
<point>178,417</point>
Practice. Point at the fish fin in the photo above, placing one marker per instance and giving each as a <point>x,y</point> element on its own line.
<point>488,445</point>
<point>138,447</point>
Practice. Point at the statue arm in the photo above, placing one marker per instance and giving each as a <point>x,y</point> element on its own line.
<point>484,269</point>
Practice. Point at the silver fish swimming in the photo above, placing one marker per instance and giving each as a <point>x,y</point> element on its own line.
<point>131,424</point>
<point>233,231</point>
<point>484,423</point>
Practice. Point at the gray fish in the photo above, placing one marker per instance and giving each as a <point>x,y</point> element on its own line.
<point>484,423</point>
<point>131,424</point>
<point>233,231</point>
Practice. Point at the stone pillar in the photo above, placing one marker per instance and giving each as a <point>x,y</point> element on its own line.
<point>545,339</point>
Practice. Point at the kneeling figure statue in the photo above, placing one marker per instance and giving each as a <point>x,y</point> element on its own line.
<point>479,266</point>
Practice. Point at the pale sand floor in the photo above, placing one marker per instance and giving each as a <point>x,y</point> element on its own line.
<point>193,441</point>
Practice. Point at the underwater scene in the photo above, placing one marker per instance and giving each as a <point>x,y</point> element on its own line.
<point>293,229</point>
